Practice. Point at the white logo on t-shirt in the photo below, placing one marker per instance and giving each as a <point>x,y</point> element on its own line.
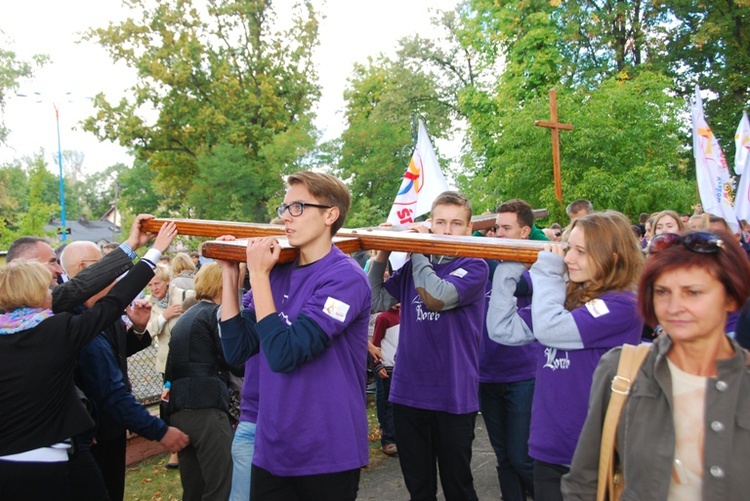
<point>597,308</point>
<point>336,309</point>
<point>459,272</point>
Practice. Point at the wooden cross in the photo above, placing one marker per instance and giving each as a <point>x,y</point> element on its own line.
<point>555,126</point>
<point>352,240</point>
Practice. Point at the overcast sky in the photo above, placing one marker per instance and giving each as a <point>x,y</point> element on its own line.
<point>352,31</point>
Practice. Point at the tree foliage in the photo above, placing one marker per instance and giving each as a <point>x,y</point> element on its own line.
<point>625,152</point>
<point>375,148</point>
<point>34,210</point>
<point>709,44</point>
<point>216,74</point>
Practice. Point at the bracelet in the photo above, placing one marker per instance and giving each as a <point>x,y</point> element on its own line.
<point>139,333</point>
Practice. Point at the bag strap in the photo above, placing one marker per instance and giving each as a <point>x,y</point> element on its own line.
<point>631,359</point>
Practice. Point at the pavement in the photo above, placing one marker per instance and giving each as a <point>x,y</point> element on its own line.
<point>383,480</point>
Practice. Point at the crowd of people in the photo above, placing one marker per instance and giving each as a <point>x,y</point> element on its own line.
<point>533,348</point>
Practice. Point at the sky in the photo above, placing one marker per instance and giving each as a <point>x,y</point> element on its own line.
<point>351,31</point>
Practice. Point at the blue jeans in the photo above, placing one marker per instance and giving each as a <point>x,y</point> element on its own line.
<point>384,408</point>
<point>506,409</point>
<point>243,447</point>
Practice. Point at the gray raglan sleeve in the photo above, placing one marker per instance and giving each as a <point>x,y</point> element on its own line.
<point>381,298</point>
<point>554,326</point>
<point>441,294</point>
<point>504,325</point>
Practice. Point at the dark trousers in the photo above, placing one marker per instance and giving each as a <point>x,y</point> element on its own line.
<point>86,480</point>
<point>205,464</point>
<point>384,408</point>
<point>547,478</point>
<point>34,481</point>
<point>341,486</point>
<point>425,436</point>
<point>110,456</point>
<point>506,410</point>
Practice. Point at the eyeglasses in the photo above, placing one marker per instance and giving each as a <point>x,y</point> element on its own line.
<point>700,242</point>
<point>297,208</point>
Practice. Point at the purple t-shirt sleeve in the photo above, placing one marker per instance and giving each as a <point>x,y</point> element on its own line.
<point>470,277</point>
<point>607,321</point>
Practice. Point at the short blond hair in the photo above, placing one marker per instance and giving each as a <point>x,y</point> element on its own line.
<point>181,262</point>
<point>23,284</point>
<point>163,272</point>
<point>208,282</point>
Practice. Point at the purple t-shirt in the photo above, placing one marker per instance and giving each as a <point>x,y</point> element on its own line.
<point>438,351</point>
<point>499,363</point>
<point>313,419</point>
<point>563,378</point>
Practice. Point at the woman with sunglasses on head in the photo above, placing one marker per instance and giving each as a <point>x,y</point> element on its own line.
<point>583,305</point>
<point>684,432</point>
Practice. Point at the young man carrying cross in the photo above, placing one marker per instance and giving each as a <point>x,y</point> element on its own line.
<point>308,322</point>
<point>435,382</point>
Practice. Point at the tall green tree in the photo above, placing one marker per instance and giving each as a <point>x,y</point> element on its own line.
<point>626,151</point>
<point>34,211</point>
<point>221,72</point>
<point>709,43</point>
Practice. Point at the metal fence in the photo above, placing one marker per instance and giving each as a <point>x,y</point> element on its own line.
<point>146,382</point>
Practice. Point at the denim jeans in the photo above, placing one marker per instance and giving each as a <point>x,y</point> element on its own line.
<point>506,409</point>
<point>384,408</point>
<point>243,447</point>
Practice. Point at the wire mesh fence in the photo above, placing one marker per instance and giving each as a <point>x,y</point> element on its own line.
<point>146,382</point>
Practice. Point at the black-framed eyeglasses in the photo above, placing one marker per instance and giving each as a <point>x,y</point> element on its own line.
<point>701,242</point>
<point>297,208</point>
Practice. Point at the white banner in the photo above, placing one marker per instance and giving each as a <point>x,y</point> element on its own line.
<point>711,168</point>
<point>742,167</point>
<point>423,182</point>
<point>742,144</point>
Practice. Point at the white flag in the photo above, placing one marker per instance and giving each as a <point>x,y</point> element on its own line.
<point>742,143</point>
<point>423,182</point>
<point>742,167</point>
<point>711,168</point>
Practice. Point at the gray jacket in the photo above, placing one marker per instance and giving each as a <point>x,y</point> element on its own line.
<point>646,435</point>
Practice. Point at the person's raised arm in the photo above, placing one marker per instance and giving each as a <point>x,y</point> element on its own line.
<point>548,302</point>
<point>101,274</point>
<point>381,298</point>
<point>239,341</point>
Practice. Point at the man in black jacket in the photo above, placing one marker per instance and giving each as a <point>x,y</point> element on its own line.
<point>102,375</point>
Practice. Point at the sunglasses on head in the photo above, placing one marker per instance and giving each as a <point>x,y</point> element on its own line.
<point>700,242</point>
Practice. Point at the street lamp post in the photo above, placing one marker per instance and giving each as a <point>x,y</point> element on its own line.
<point>62,183</point>
<point>64,228</point>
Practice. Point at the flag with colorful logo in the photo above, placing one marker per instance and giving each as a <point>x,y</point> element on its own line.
<point>422,183</point>
<point>742,168</point>
<point>742,142</point>
<point>711,169</point>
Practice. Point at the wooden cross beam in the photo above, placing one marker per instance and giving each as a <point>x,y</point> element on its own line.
<point>487,221</point>
<point>353,240</point>
<point>555,126</point>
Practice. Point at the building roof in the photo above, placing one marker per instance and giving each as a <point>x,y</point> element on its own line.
<point>92,231</point>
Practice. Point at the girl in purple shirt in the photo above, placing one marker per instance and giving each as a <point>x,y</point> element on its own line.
<point>576,319</point>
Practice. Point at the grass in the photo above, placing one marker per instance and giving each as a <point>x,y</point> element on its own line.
<point>149,480</point>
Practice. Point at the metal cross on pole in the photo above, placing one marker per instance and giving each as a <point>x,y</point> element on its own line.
<point>555,126</point>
